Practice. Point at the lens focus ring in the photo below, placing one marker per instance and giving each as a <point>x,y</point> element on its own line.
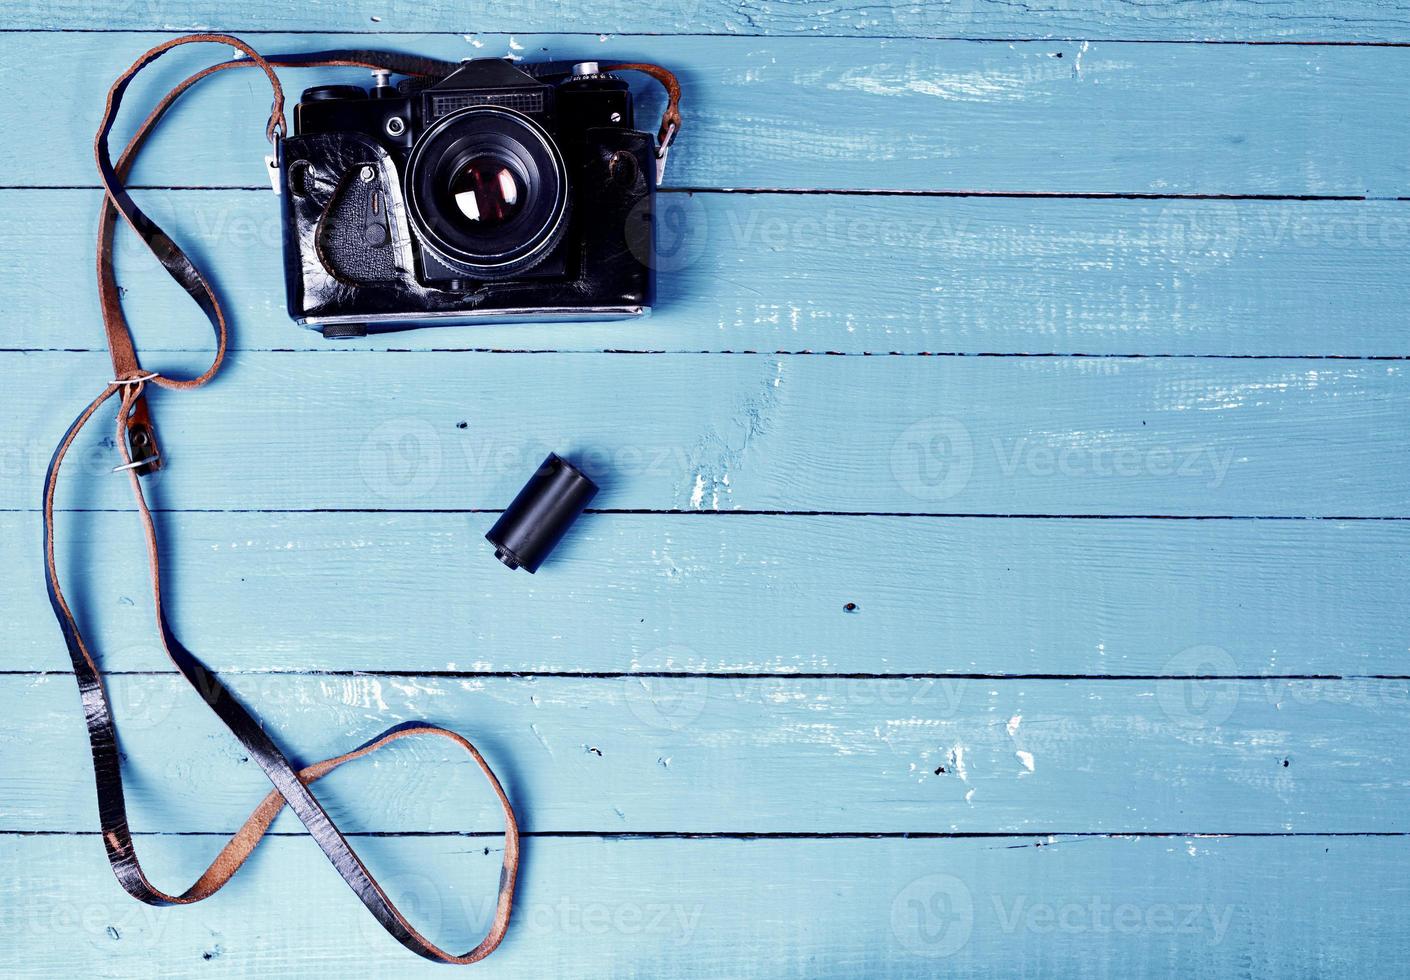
<point>487,191</point>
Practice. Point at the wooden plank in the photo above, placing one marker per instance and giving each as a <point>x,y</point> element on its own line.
<point>1051,117</point>
<point>743,594</point>
<point>1242,20</point>
<point>738,755</point>
<point>723,432</point>
<point>833,273</point>
<point>1194,907</point>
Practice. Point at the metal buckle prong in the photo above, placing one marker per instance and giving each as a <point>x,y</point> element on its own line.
<point>665,148</point>
<point>152,461</point>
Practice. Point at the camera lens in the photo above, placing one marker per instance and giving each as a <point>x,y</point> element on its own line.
<point>487,191</point>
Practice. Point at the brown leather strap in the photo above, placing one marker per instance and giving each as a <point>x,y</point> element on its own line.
<point>671,117</point>
<point>129,384</point>
<point>140,433</point>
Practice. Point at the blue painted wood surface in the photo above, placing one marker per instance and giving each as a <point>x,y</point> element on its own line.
<point>663,907</point>
<point>635,754</point>
<point>724,432</point>
<point>903,114</point>
<point>1060,628</point>
<point>935,595</point>
<point>779,272</point>
<point>1225,20</point>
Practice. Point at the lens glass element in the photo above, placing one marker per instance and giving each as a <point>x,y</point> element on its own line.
<point>486,192</point>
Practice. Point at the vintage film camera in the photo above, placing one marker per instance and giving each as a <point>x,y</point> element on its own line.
<point>500,192</point>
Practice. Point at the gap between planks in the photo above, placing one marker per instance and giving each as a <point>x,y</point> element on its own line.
<point>728,675</point>
<point>961,38</point>
<point>610,835</point>
<point>835,192</point>
<point>1074,355</point>
<point>647,512</point>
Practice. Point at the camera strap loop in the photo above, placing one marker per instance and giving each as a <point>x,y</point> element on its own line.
<point>670,118</point>
<point>138,452</point>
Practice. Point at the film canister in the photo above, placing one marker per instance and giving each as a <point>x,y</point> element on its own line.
<point>540,515</point>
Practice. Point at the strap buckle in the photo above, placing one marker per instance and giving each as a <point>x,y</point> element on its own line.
<point>273,164</point>
<point>141,441</point>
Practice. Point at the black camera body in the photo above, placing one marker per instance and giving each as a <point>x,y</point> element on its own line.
<point>501,192</point>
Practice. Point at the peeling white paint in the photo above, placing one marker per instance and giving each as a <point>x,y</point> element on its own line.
<point>957,761</point>
<point>542,741</point>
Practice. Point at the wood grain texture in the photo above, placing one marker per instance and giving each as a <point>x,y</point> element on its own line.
<point>652,754</point>
<point>782,272</point>
<point>1081,908</point>
<point>732,594</point>
<point>892,114</point>
<point>1240,20</point>
<point>724,432</point>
